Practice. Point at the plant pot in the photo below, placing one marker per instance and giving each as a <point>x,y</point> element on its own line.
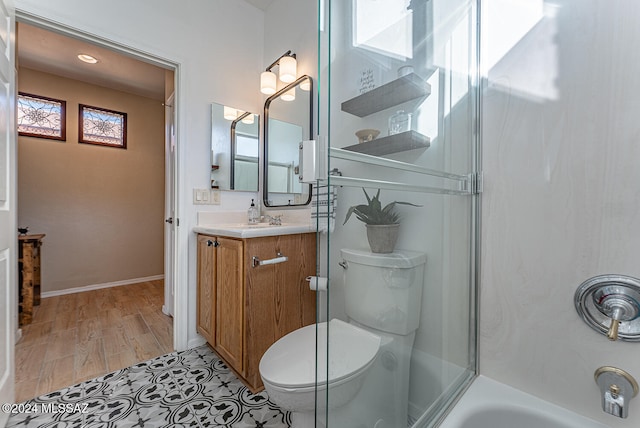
<point>382,237</point>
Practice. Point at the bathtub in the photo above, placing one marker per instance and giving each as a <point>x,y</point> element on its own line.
<point>490,404</point>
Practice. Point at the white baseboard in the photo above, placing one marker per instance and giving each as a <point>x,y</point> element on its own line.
<point>194,343</point>
<point>166,311</point>
<point>46,294</point>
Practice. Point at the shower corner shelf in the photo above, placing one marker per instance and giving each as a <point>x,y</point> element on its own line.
<point>406,88</point>
<point>396,143</point>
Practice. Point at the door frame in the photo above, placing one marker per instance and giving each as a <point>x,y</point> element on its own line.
<point>180,321</point>
<point>8,210</point>
<point>170,226</point>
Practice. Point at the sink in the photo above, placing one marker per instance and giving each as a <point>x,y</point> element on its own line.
<point>243,225</point>
<point>246,230</point>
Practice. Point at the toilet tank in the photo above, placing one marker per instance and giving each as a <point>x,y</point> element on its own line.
<point>384,291</point>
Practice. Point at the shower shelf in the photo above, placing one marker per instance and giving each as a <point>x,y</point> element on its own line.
<point>396,143</point>
<point>406,88</point>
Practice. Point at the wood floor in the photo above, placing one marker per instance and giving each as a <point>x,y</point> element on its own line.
<point>80,336</point>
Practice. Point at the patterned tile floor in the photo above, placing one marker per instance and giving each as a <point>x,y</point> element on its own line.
<point>192,388</point>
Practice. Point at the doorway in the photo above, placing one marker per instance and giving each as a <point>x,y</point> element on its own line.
<point>91,278</point>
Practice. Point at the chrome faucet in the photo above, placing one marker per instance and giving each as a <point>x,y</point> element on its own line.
<point>275,220</point>
<point>617,388</point>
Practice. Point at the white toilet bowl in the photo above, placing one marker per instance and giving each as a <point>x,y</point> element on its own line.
<point>288,368</point>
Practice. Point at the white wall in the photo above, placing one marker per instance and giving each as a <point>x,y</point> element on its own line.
<point>204,37</point>
<point>561,201</point>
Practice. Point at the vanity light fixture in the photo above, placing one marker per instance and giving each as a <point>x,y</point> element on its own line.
<point>244,117</point>
<point>268,82</point>
<point>87,58</point>
<point>290,95</point>
<point>248,120</point>
<point>288,66</point>
<point>230,113</point>
<point>287,70</point>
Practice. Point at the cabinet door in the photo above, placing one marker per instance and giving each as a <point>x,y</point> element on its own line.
<point>205,300</point>
<point>230,302</point>
<point>278,296</point>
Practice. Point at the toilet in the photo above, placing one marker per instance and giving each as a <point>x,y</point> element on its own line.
<point>383,294</point>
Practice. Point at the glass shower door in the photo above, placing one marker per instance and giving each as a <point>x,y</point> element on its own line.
<point>398,110</point>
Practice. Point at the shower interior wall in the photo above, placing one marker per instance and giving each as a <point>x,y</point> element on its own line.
<point>561,198</point>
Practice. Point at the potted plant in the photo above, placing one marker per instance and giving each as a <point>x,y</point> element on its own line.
<point>382,224</point>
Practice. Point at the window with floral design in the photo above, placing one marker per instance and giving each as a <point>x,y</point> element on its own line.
<point>103,127</point>
<point>41,117</point>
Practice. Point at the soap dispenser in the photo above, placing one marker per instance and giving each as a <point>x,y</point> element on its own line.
<point>252,214</point>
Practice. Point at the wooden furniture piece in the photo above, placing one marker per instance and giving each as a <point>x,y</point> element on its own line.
<point>29,280</point>
<point>244,307</point>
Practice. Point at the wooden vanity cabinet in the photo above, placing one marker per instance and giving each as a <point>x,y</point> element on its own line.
<point>229,307</point>
<point>243,309</point>
<point>205,296</point>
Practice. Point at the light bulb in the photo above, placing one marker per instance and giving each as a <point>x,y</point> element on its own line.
<point>290,95</point>
<point>248,120</point>
<point>268,82</point>
<point>230,113</point>
<point>87,58</point>
<point>287,69</point>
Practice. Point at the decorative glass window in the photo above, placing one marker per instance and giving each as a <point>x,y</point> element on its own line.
<point>103,127</point>
<point>41,117</point>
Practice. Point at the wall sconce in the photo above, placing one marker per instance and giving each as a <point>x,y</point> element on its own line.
<point>230,113</point>
<point>288,67</point>
<point>290,95</point>
<point>247,118</point>
<point>287,71</point>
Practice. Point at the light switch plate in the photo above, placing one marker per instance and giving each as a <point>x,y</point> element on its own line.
<point>201,197</point>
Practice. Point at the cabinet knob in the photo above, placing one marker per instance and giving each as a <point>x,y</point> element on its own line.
<point>211,243</point>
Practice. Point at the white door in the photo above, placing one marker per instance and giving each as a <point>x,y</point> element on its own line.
<point>170,212</point>
<point>8,209</point>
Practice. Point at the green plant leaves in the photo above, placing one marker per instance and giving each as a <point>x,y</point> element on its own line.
<point>373,213</point>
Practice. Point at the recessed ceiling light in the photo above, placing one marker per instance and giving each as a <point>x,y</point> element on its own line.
<point>87,58</point>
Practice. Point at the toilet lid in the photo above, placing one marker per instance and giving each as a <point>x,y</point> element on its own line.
<point>291,361</point>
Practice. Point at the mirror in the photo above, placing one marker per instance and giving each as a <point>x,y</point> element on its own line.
<point>234,149</point>
<point>288,120</point>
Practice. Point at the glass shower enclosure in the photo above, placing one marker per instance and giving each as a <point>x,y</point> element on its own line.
<point>398,117</point>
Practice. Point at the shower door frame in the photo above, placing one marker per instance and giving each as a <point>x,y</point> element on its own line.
<point>469,185</point>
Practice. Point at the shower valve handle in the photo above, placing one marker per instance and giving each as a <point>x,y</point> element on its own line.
<point>613,330</point>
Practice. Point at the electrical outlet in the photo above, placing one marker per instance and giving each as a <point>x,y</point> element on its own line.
<point>215,197</point>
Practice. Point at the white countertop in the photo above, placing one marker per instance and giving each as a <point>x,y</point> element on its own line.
<point>244,230</point>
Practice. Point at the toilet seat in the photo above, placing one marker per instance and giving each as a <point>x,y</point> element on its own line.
<point>290,363</point>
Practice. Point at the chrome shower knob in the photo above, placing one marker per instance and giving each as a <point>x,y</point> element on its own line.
<point>610,304</point>
<point>619,304</point>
